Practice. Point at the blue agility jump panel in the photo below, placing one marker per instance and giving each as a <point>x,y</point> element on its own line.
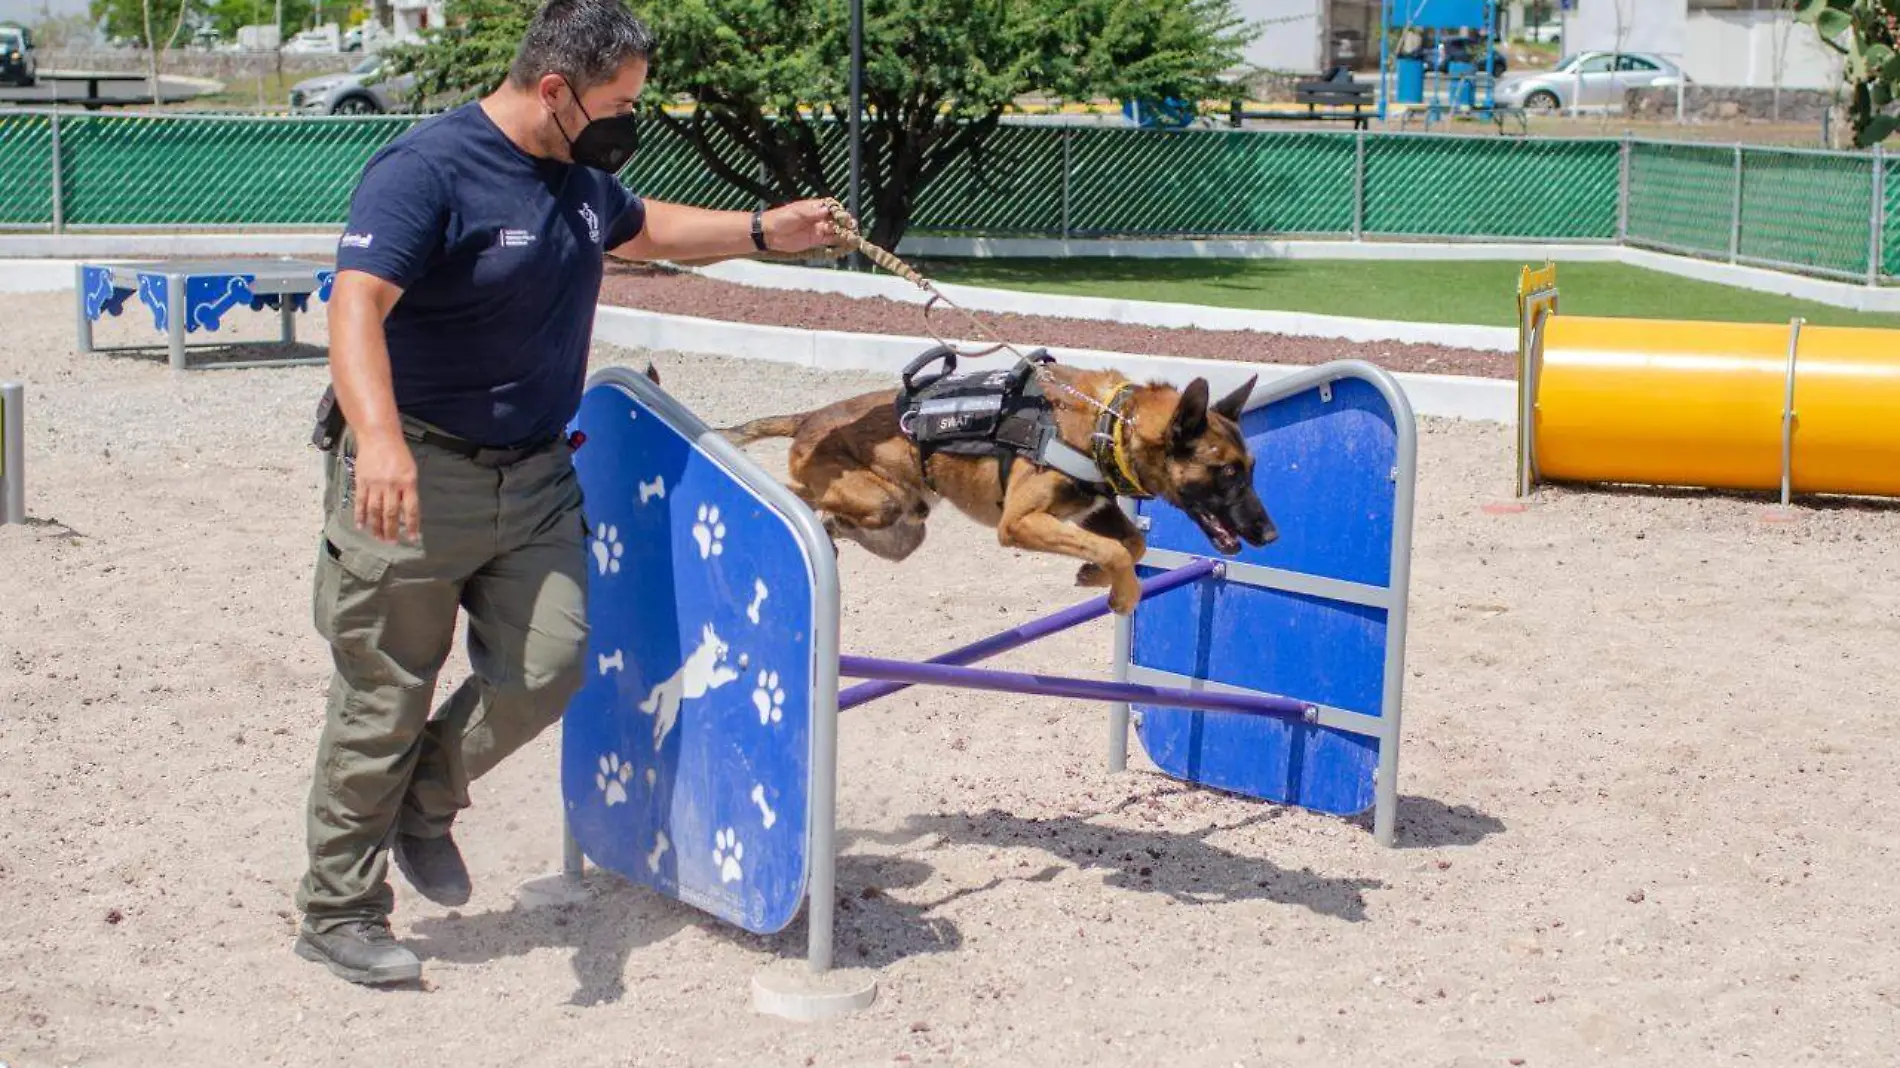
<point>699,757</point>
<point>1318,615</point>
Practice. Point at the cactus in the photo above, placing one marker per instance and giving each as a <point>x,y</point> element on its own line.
<point>1867,33</point>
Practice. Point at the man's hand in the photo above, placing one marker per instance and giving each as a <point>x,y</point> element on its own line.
<point>385,481</point>
<point>801,226</point>
<point>386,499</point>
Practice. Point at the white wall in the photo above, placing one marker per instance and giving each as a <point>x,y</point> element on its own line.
<point>1633,25</point>
<point>1291,38</point>
<point>1739,47</point>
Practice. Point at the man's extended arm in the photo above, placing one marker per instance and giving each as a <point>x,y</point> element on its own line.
<point>683,233</point>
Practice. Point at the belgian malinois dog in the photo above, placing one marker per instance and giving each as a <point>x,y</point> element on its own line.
<point>853,465</point>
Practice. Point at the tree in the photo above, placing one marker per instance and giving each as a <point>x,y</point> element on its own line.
<point>1867,33</point>
<point>768,81</point>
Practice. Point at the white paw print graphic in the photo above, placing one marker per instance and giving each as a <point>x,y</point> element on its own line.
<point>612,779</point>
<point>768,698</point>
<point>727,852</point>
<point>709,532</point>
<point>608,550</point>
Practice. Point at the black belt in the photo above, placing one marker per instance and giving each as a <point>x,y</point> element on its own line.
<point>481,454</point>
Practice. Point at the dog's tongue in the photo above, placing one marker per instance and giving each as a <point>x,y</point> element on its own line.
<point>1224,539</point>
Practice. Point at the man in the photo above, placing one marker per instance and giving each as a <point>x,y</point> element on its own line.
<point>460,323</point>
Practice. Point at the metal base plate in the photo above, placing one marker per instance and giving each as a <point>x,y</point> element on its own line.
<point>793,991</point>
<point>551,891</point>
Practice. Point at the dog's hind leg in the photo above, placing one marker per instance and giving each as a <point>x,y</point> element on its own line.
<point>885,518</point>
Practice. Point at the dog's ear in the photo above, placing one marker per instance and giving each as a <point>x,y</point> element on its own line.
<point>1190,416</point>
<point>1232,404</point>
<point>653,375</point>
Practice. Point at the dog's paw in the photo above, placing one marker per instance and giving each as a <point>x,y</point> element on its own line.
<point>1091,575</point>
<point>1123,599</point>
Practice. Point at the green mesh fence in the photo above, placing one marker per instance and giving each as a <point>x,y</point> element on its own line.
<point>1473,187</point>
<point>1892,242</point>
<point>1808,210</point>
<point>129,170</point>
<point>669,167</point>
<point>26,171</point>
<point>1195,182</point>
<point>1682,197</point>
<point>1012,186</point>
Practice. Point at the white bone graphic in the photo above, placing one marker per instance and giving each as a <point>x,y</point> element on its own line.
<point>618,661</point>
<point>759,594</point>
<point>704,670</point>
<point>650,490</point>
<point>660,846</point>
<point>765,811</point>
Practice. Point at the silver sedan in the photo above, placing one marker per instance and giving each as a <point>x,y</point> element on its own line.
<point>1588,80</point>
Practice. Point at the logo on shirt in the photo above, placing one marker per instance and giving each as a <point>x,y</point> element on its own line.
<point>516,239</point>
<point>592,221</point>
<point>356,240</point>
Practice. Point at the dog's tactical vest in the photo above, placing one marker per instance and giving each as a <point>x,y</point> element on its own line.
<point>1001,413</point>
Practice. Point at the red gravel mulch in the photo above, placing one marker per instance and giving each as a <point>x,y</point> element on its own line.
<point>678,293</point>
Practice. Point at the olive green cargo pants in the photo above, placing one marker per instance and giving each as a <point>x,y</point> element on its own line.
<point>503,539</point>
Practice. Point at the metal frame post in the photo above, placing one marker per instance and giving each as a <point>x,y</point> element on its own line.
<point>175,319</point>
<point>1359,185</point>
<point>12,452</point>
<point>59,180</point>
<point>1877,219</point>
<point>1068,133</point>
<point>1623,192</point>
<point>1735,217</point>
<point>287,312</point>
<point>1788,413</point>
<point>79,307</point>
<point>1119,712</point>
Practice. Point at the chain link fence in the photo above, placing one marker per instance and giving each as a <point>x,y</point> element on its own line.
<point>1891,239</point>
<point>1473,188</point>
<point>1791,209</point>
<point>26,172</point>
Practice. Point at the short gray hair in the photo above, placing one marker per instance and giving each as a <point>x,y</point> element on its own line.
<point>584,41</point>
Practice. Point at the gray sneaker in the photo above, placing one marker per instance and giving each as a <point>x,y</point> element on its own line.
<point>433,866</point>
<point>362,951</point>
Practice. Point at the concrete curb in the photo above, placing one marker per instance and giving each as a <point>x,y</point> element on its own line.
<point>1446,396</point>
<point>315,241</point>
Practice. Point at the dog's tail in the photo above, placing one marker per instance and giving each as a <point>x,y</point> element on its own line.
<point>772,426</point>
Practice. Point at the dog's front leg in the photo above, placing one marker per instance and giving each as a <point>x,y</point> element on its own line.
<point>1027,525</point>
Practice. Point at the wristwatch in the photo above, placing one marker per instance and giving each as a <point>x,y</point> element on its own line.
<point>758,229</point>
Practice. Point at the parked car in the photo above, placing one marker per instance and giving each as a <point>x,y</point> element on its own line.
<point>1589,80</point>
<point>360,91</point>
<point>1473,50</point>
<point>17,63</point>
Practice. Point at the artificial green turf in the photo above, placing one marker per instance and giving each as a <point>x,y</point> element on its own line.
<point>1481,292</point>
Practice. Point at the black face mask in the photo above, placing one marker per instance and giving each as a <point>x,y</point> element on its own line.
<point>605,144</point>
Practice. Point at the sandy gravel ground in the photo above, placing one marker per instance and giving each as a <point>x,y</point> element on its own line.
<point>1649,769</point>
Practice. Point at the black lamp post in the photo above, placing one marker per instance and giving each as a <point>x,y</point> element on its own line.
<point>857,112</point>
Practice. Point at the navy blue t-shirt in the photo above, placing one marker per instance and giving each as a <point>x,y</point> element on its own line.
<point>499,256</point>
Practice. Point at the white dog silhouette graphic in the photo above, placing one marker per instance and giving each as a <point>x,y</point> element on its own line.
<point>705,669</point>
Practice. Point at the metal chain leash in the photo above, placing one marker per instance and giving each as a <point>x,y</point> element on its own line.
<point>847,229</point>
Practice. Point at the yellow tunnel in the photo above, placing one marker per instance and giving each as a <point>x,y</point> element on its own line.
<point>1680,403</point>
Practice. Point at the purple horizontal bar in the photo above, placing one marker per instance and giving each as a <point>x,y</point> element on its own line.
<point>968,678</point>
<point>1033,630</point>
